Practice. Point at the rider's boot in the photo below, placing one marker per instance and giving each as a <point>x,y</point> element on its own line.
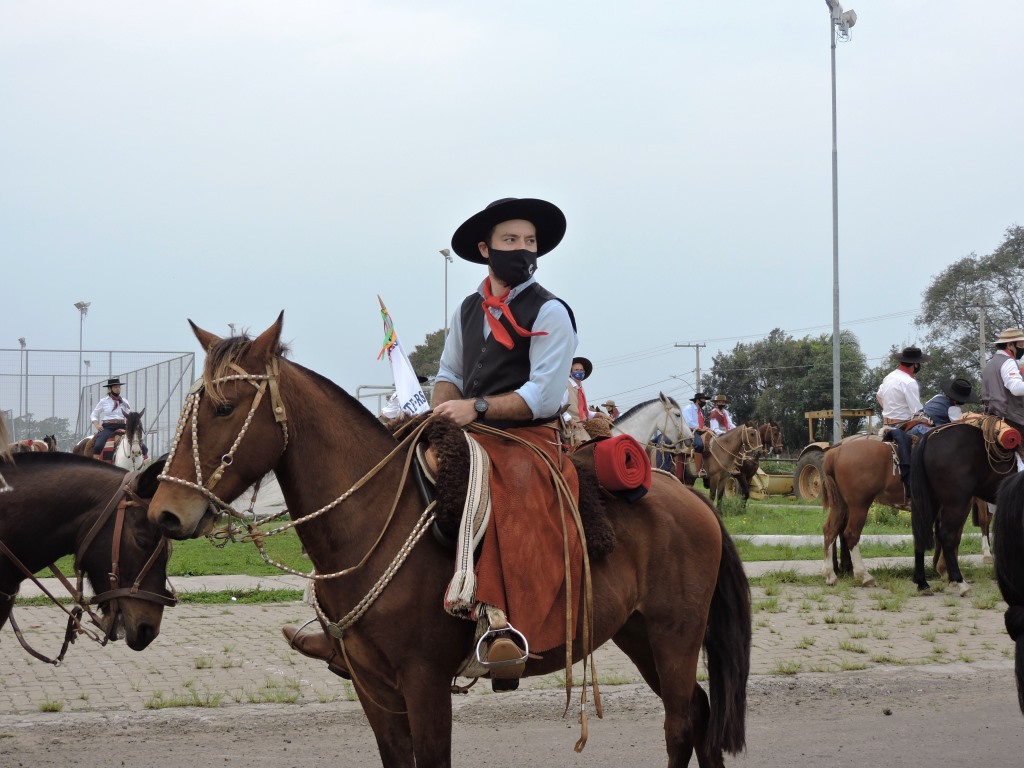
<point>316,645</point>
<point>698,464</point>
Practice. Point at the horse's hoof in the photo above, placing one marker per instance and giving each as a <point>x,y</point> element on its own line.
<point>963,588</point>
<point>988,560</point>
<point>830,579</point>
<point>869,581</point>
<point>924,589</point>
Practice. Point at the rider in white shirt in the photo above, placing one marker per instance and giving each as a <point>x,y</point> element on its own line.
<point>721,419</point>
<point>899,394</point>
<point>109,415</point>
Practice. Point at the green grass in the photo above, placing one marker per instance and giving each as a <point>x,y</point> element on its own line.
<point>772,516</point>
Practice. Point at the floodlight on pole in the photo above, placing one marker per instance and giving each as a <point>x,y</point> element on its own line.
<point>83,310</point>
<point>23,379</point>
<point>232,327</point>
<point>447,260</point>
<point>840,22</point>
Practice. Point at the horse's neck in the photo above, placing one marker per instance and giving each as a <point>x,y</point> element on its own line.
<point>331,448</point>
<point>641,425</point>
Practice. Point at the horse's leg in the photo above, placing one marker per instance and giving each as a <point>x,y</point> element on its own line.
<point>919,578</point>
<point>392,731</point>
<point>983,519</point>
<point>948,538</point>
<point>858,515</point>
<point>429,701</point>
<point>860,571</point>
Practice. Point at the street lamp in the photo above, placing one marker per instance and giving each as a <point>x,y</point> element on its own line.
<point>83,310</point>
<point>840,22</point>
<point>232,327</point>
<point>447,260</point>
<point>22,379</point>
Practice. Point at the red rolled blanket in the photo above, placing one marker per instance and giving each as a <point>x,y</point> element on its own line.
<point>622,464</point>
<point>1009,438</point>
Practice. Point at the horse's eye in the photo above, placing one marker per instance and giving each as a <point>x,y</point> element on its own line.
<point>225,409</point>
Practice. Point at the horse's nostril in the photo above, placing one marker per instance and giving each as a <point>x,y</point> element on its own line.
<point>169,522</point>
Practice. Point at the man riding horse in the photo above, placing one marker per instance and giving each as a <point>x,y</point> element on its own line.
<point>900,398</point>
<point>1002,388</point>
<point>693,414</point>
<point>504,364</point>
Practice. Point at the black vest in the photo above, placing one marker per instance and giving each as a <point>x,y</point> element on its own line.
<point>488,368</point>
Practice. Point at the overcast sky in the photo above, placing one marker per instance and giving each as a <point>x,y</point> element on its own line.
<point>221,161</point>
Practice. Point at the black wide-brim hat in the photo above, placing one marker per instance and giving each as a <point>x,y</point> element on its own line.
<point>588,367</point>
<point>699,396</point>
<point>960,390</point>
<point>112,383</point>
<point>911,355</point>
<point>546,217</point>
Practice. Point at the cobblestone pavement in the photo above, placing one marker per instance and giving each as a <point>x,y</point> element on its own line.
<point>224,655</point>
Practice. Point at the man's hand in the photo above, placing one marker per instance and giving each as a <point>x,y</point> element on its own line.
<point>462,412</point>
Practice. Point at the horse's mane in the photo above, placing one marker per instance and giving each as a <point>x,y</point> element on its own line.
<point>636,407</point>
<point>5,439</point>
<point>58,457</point>
<point>227,352</point>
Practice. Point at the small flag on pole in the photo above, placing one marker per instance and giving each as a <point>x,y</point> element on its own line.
<point>409,399</point>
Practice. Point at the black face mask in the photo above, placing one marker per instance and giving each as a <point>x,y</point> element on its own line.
<point>917,367</point>
<point>513,267</point>
<point>1018,351</point>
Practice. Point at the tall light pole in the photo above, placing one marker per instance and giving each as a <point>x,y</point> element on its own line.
<point>232,327</point>
<point>840,22</point>
<point>447,260</point>
<point>83,310</point>
<point>22,380</point>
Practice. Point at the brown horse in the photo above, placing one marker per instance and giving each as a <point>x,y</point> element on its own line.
<point>673,583</point>
<point>771,438</point>
<point>857,472</point>
<point>60,504</point>
<point>724,456</point>
<point>949,467</point>
<point>1009,554</point>
<point>47,445</point>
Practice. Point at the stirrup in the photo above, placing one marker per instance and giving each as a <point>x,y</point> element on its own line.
<point>503,667</point>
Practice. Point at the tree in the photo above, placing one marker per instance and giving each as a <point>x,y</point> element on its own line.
<point>952,308</point>
<point>26,428</point>
<point>426,357</point>
<point>781,378</point>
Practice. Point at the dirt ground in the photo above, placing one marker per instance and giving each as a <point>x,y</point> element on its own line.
<point>841,676</point>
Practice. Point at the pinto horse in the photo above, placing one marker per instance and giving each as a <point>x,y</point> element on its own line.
<point>63,504</point>
<point>1008,549</point>
<point>47,445</point>
<point>857,472</point>
<point>672,585</point>
<point>949,467</point>
<point>125,445</point>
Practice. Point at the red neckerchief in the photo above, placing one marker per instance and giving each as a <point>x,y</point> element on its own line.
<point>498,302</point>
<point>700,417</point>
<point>117,403</point>
<point>581,402</point>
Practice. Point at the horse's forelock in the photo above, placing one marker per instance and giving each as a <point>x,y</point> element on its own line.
<point>227,352</point>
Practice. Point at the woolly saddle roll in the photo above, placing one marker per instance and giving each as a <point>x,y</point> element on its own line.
<point>623,466</point>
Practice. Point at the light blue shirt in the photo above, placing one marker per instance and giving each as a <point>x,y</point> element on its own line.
<point>550,355</point>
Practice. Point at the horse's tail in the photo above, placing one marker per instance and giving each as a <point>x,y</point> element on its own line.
<point>922,516</point>
<point>1008,549</point>
<point>727,645</point>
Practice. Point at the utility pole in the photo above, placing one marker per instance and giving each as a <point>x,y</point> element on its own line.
<point>981,339</point>
<point>696,348</point>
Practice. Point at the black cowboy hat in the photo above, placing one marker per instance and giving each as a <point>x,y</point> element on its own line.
<point>115,382</point>
<point>546,217</point>
<point>588,367</point>
<point>699,396</point>
<point>911,355</point>
<point>959,390</point>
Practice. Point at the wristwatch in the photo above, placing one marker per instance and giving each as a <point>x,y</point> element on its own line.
<point>481,406</point>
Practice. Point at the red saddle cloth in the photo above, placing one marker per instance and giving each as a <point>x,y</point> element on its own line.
<point>521,568</point>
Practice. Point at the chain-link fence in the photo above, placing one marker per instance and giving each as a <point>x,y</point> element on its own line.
<point>46,390</point>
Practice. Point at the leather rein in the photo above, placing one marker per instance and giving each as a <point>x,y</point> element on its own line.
<point>123,498</point>
<point>747,446</point>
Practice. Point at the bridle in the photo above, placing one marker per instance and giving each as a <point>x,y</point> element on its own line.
<point>189,418</point>
<point>680,445</point>
<point>118,505</point>
<point>748,447</point>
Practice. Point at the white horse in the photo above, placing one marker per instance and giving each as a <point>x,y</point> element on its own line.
<point>128,450</point>
<point>642,422</point>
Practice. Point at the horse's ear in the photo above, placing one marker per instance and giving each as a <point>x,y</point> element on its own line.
<point>142,413</point>
<point>206,339</point>
<point>661,396</point>
<point>267,343</point>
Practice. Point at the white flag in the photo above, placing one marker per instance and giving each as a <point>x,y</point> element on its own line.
<point>409,397</point>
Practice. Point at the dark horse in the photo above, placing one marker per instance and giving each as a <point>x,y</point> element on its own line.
<point>1008,549</point>
<point>672,585</point>
<point>724,456</point>
<point>55,504</point>
<point>951,465</point>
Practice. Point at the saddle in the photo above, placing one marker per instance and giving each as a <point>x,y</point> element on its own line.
<point>110,447</point>
<point>448,482</point>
